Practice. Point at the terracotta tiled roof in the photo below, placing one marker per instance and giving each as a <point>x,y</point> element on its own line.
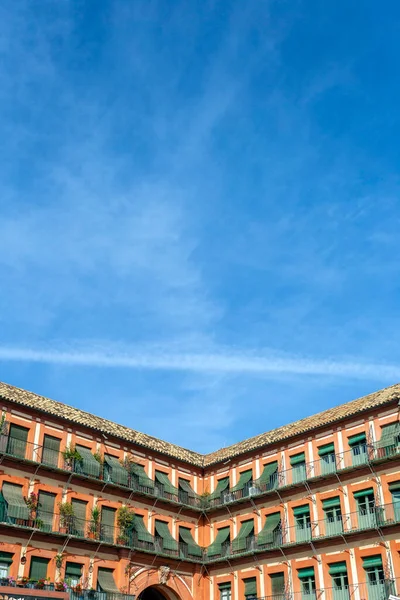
<point>80,417</point>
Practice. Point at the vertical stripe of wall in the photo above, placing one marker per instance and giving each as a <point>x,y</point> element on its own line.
<point>173,476</point>
<point>320,572</point>
<point>262,584</point>
<point>310,452</point>
<point>212,580</point>
<point>354,575</point>
<point>258,468</point>
<point>340,440</point>
<point>235,586</point>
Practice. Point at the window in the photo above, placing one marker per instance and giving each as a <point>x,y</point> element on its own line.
<point>164,487</point>
<point>327,458</point>
<point>243,485</point>
<point>107,524</point>
<point>6,559</point>
<point>269,477</point>
<point>389,443</point>
<point>394,489</point>
<point>303,523</point>
<point>365,500</point>
<point>79,518</point>
<point>164,538</point>
<point>188,546</point>
<point>277,585</point>
<point>220,546</point>
<point>222,488</point>
<point>358,445</point>
<point>250,588</point>
<point>333,516</point>
<point>73,573</point>
<point>271,533</point>
<point>225,591</point>
<point>38,568</point>
<point>243,540</point>
<point>51,450</point>
<point>106,582</point>
<point>45,511</point>
<point>375,577</point>
<point>340,582</point>
<point>298,464</point>
<point>17,440</point>
<point>87,465</point>
<point>186,493</point>
<point>307,583</point>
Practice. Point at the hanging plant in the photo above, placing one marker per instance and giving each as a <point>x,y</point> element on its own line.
<point>58,560</point>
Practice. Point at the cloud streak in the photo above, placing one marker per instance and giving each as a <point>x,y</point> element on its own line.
<point>215,362</point>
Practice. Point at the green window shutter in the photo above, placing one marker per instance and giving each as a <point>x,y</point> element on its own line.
<point>89,465</point>
<point>38,568</point>
<point>244,478</point>
<point>338,568</point>
<point>108,523</point>
<point>305,573</point>
<point>239,544</point>
<point>269,470</point>
<point>80,509</point>
<point>277,583</point>
<point>222,485</point>
<point>186,487</point>
<point>51,450</point>
<point>6,557</point>
<point>355,440</point>
<point>297,459</point>
<point>73,570</point>
<point>105,579</point>
<point>222,536</point>
<point>250,587</point>
<point>193,548</point>
<point>142,532</point>
<point>326,449</point>
<point>267,534</point>
<point>372,561</point>
<point>17,440</point>
<point>143,479</point>
<point>363,493</point>
<point>45,511</point>
<point>165,482</point>
<point>162,530</point>
<point>16,505</point>
<point>224,586</point>
<point>301,510</point>
<point>394,486</point>
<point>389,435</point>
<point>118,474</point>
<point>331,502</point>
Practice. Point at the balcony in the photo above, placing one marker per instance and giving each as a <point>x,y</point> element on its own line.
<point>362,591</point>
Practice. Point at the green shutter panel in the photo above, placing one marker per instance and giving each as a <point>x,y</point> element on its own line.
<point>107,523</point>
<point>45,511</point>
<point>389,434</point>
<point>338,568</point>
<point>301,510</point>
<point>224,586</point>
<point>267,534</point>
<point>186,487</point>
<point>142,532</point>
<point>117,473</point>
<point>193,548</point>
<point>269,470</point>
<point>355,440</point>
<point>222,485</point>
<point>305,573</point>
<point>326,449</point>
<point>17,440</point>
<point>143,479</point>
<point>244,478</point>
<point>277,583</point>
<point>6,557</point>
<point>222,536</point>
<point>88,465</point>
<point>394,486</point>
<point>79,520</point>
<point>331,502</point>
<point>105,579</point>
<point>73,570</point>
<point>162,478</point>
<point>38,568</point>
<point>372,561</point>
<point>250,587</point>
<point>16,505</point>
<point>239,544</point>
<point>363,493</point>
<point>297,459</point>
<point>51,450</point>
<point>169,543</point>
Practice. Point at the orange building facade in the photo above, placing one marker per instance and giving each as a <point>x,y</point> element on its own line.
<point>92,509</point>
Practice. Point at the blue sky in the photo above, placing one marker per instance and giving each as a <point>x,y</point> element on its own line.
<point>199,231</point>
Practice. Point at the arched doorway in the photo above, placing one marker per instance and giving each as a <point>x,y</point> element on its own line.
<point>155,592</point>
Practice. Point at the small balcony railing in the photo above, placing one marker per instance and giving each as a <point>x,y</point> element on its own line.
<point>378,590</point>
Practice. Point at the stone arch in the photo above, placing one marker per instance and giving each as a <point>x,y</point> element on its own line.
<point>175,587</point>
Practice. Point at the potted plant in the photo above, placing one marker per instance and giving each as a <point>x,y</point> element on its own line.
<point>39,523</point>
<point>94,526</point>
<point>40,584</point>
<point>58,559</point>
<point>71,455</point>
<point>60,586</point>
<point>22,581</point>
<point>92,593</point>
<point>77,589</point>
<point>125,518</point>
<point>205,499</point>
<point>66,510</point>
<point>32,502</point>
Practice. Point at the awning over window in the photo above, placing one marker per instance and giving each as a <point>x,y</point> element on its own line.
<point>90,466</point>
<point>326,449</point>
<point>301,510</point>
<point>186,487</point>
<point>142,532</point>
<point>225,586</point>
<point>331,502</point>
<point>266,535</point>
<point>193,548</point>
<point>73,570</point>
<point>355,440</point>
<point>250,586</point>
<point>239,544</point>
<point>305,573</point>
<point>222,485</point>
<point>6,557</point>
<point>389,435</point>
<point>222,536</point>
<point>394,486</point>
<point>165,482</point>
<point>162,529</point>
<point>372,561</point>
<point>297,459</point>
<point>244,478</point>
<point>338,568</point>
<point>143,478</point>
<point>118,473</point>
<point>269,470</point>
<point>16,506</point>
<point>105,579</point>
<point>38,568</point>
<point>362,493</point>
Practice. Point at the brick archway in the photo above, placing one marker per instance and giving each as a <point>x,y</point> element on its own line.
<point>174,589</point>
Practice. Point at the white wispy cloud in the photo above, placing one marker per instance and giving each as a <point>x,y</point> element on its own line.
<point>216,362</point>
